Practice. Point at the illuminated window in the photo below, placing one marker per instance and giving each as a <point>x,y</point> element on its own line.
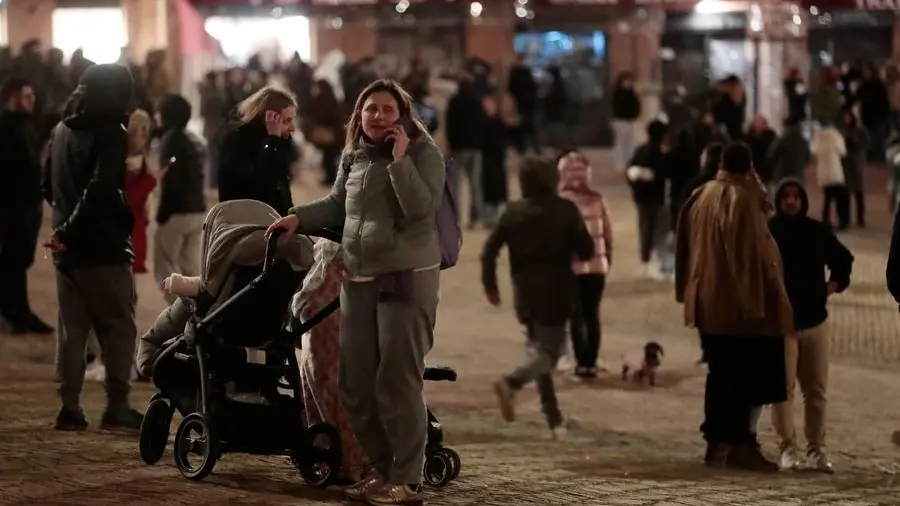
<point>100,33</point>
<point>240,38</point>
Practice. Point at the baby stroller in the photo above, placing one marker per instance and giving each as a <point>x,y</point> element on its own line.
<point>237,406</point>
<point>442,464</point>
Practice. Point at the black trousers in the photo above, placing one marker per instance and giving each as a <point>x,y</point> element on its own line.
<point>330,159</point>
<point>584,327</point>
<point>14,306</point>
<point>18,245</point>
<point>648,221</point>
<point>524,135</point>
<point>859,197</point>
<point>840,197</point>
<point>745,372</point>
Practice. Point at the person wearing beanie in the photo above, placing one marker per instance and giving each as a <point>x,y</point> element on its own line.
<point>182,204</point>
<point>91,243</point>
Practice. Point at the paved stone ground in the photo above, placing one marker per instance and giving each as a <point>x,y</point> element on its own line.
<point>629,445</point>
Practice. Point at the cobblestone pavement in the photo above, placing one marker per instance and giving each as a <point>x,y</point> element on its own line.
<point>628,445</point>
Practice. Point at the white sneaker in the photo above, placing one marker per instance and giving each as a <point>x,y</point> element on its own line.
<point>654,272</point>
<point>95,371</point>
<point>817,460</point>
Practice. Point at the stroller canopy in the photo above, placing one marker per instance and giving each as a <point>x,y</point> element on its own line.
<point>234,234</point>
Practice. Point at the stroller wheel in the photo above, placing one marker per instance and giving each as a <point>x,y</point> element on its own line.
<point>454,459</point>
<point>438,469</point>
<point>195,439</point>
<point>319,462</point>
<point>155,430</point>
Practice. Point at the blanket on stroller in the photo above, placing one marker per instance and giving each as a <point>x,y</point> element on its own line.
<point>233,235</point>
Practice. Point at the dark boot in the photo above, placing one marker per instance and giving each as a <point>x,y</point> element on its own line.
<point>748,457</point>
<point>716,455</point>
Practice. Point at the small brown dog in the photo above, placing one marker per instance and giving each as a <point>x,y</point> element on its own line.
<point>644,368</point>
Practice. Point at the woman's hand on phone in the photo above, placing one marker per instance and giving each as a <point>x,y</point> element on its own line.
<point>289,224</point>
<point>273,123</point>
<point>397,134</point>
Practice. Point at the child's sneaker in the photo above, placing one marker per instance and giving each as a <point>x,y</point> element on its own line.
<point>126,419</point>
<point>506,400</point>
<point>71,420</point>
<point>560,433</point>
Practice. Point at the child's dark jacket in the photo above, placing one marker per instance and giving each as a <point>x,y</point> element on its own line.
<point>543,233</point>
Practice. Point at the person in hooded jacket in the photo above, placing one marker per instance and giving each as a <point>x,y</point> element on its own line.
<point>182,205</point>
<point>544,233</point>
<point>255,160</point>
<point>647,173</point>
<point>790,155</point>
<point>91,244</point>
<point>807,248</point>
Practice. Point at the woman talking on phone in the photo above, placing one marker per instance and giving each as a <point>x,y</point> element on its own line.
<point>255,154</point>
<point>388,189</point>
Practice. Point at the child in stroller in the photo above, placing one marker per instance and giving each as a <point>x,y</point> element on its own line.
<point>319,366</point>
<point>197,354</point>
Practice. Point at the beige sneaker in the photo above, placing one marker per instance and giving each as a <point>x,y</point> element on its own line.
<point>790,459</point>
<point>358,491</point>
<point>506,400</point>
<point>817,460</point>
<point>395,494</point>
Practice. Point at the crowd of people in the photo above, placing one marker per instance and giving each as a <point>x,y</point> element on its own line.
<point>721,211</point>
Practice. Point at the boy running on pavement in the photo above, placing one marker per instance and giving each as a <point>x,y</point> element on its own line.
<point>543,232</point>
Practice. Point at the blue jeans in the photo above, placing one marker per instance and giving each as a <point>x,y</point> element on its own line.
<point>470,161</point>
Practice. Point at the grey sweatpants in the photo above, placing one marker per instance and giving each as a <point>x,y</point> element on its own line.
<point>100,298</point>
<point>383,348</point>
<point>176,248</point>
<point>545,344</point>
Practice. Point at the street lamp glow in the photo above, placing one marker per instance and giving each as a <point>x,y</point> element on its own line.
<point>711,7</point>
<point>475,9</point>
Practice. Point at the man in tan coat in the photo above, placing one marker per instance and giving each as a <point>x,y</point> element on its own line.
<point>728,275</point>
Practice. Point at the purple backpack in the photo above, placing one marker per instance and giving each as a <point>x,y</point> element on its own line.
<point>447,219</point>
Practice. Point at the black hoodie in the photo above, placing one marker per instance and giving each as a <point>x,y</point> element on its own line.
<point>543,232</point>
<point>86,171</point>
<point>807,247</point>
<point>181,189</point>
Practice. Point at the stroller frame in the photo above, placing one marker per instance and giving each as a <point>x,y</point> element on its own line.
<point>318,466</point>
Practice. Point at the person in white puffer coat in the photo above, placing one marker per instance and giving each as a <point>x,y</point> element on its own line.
<point>828,148</point>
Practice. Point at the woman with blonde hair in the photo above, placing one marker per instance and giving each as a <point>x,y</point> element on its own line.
<point>389,186</point>
<point>255,153</point>
<point>139,183</point>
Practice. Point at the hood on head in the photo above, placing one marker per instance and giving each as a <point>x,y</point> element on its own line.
<point>175,112</point>
<point>103,93</point>
<point>574,171</point>
<point>779,192</point>
<point>537,177</point>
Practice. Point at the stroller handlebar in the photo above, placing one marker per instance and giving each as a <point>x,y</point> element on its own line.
<point>271,248</point>
<point>272,242</point>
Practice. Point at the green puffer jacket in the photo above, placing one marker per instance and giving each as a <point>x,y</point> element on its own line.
<point>387,209</point>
